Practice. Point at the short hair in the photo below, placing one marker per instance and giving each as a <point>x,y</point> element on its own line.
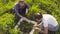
<point>21,0</point>
<point>38,16</point>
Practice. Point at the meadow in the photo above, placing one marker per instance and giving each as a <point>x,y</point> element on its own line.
<point>7,15</point>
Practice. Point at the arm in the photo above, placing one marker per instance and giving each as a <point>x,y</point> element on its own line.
<point>45,31</point>
<point>16,10</point>
<point>18,13</point>
<point>27,11</point>
<point>27,8</point>
<point>45,24</point>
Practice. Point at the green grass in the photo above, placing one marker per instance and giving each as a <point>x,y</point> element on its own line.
<point>45,6</point>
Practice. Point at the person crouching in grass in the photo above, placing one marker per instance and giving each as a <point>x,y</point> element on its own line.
<point>49,25</point>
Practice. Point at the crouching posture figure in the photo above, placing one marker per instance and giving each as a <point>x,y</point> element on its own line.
<point>21,9</point>
<point>49,25</point>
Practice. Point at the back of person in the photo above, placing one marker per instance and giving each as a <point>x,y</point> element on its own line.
<point>50,21</point>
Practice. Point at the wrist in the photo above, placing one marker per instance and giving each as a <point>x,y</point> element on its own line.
<point>39,29</point>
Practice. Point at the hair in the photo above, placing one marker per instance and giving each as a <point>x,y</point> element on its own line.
<point>38,16</point>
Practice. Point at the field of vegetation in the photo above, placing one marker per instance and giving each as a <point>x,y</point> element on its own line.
<point>7,16</point>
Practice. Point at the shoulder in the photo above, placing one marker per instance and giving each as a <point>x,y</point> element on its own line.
<point>16,4</point>
<point>47,15</point>
<point>26,4</point>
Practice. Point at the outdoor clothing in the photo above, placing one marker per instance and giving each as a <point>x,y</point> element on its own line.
<point>21,10</point>
<point>49,32</point>
<point>50,22</point>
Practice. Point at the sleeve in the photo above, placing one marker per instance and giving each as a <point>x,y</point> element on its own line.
<point>27,6</point>
<point>45,23</point>
<point>16,10</point>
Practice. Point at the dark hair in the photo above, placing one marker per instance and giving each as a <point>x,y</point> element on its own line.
<point>21,1</point>
<point>38,16</point>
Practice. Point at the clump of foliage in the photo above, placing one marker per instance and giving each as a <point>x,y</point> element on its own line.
<point>45,6</point>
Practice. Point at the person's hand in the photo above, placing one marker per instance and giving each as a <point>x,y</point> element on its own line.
<point>36,26</point>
